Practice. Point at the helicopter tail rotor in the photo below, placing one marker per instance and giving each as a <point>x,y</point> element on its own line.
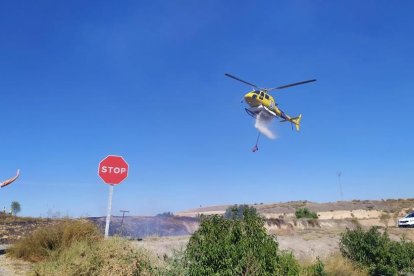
<point>296,121</point>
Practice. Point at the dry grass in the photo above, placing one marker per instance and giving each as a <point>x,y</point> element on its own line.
<point>281,231</point>
<point>336,265</point>
<point>6,218</point>
<point>163,247</point>
<point>401,233</point>
<point>104,258</point>
<point>74,247</point>
<point>43,242</point>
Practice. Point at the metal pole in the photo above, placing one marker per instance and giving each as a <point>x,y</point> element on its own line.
<point>108,215</point>
<point>340,185</point>
<point>122,221</point>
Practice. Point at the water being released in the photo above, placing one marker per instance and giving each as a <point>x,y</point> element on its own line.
<point>263,125</point>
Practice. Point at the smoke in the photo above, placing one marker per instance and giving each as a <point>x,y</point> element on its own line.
<point>262,124</point>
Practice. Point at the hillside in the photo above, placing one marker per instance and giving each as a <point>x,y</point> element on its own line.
<point>361,209</point>
<point>13,228</point>
<point>280,217</point>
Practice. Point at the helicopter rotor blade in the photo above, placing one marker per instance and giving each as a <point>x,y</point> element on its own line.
<point>10,181</point>
<point>290,85</point>
<point>236,78</point>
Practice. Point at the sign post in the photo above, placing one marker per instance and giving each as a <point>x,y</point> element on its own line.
<point>108,213</point>
<point>113,170</point>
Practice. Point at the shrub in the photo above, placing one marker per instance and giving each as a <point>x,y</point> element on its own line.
<point>44,241</point>
<point>237,211</point>
<point>104,258</point>
<point>337,265</point>
<point>305,213</point>
<point>316,269</point>
<point>288,265</point>
<point>377,252</point>
<point>236,246</point>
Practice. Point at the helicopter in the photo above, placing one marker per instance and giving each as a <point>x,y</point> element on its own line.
<point>262,104</point>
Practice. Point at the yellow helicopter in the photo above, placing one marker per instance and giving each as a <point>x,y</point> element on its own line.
<point>260,102</point>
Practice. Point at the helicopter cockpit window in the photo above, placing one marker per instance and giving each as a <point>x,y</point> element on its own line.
<point>261,94</point>
<point>267,97</point>
<point>256,92</point>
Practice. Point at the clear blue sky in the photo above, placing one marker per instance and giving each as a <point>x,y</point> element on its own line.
<point>144,79</point>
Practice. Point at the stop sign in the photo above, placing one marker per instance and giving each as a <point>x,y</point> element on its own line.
<point>113,169</point>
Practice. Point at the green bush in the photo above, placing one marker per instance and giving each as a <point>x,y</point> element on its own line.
<point>288,265</point>
<point>316,269</point>
<point>236,246</point>
<point>237,211</point>
<point>377,252</point>
<point>305,213</point>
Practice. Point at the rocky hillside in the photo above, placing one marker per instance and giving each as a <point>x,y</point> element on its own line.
<point>13,228</point>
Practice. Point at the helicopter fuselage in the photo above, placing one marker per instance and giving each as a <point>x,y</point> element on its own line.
<point>258,98</point>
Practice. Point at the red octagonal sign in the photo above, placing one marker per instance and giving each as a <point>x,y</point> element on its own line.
<point>113,169</point>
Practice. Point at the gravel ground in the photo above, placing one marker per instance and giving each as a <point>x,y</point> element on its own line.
<point>11,267</point>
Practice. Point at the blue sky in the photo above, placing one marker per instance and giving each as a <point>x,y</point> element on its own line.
<point>145,80</point>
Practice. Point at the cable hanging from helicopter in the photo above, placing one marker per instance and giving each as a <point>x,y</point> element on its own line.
<point>256,147</point>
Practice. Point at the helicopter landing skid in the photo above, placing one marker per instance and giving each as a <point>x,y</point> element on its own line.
<point>254,111</point>
<point>251,113</point>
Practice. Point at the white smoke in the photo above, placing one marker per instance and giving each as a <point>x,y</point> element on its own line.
<point>262,124</point>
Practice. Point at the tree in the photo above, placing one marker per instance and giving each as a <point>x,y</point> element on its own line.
<point>377,252</point>
<point>15,207</point>
<point>237,211</point>
<point>238,245</point>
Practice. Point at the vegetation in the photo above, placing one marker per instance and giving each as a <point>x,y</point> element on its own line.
<point>385,218</point>
<point>377,252</point>
<point>237,211</point>
<point>237,244</point>
<point>337,265</point>
<point>74,247</point>
<point>102,258</point>
<point>15,207</point>
<point>7,218</point>
<point>54,238</point>
<point>165,214</point>
<point>316,269</point>
<point>222,246</point>
<point>305,213</point>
